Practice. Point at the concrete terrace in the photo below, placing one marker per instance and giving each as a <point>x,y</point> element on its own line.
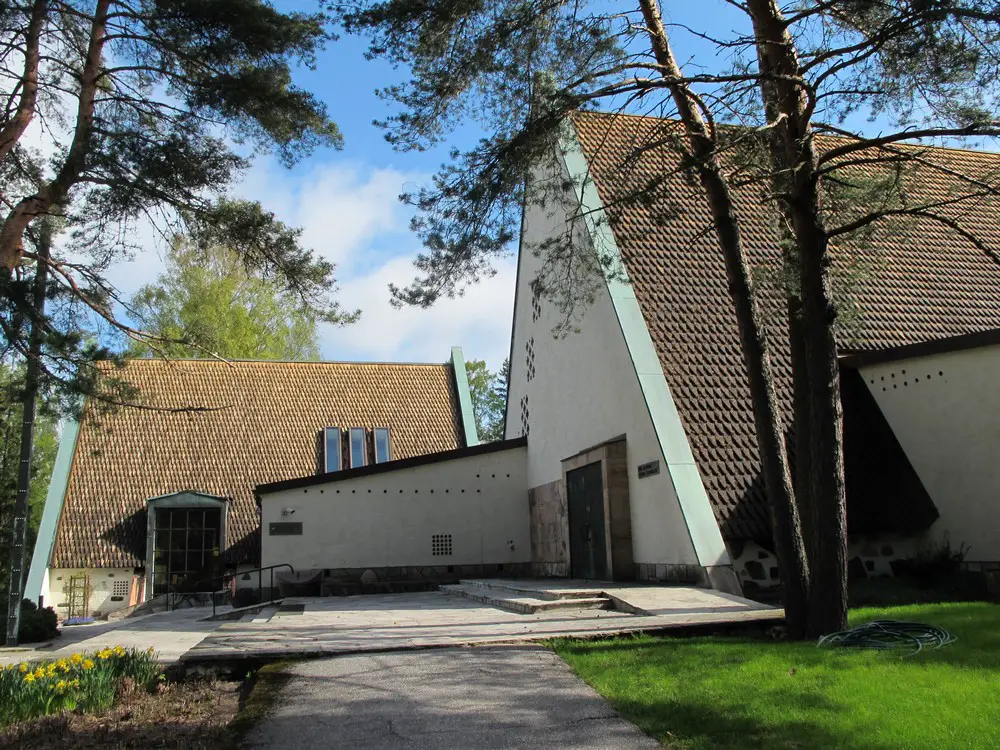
<point>172,634</point>
<point>373,623</point>
<point>317,626</point>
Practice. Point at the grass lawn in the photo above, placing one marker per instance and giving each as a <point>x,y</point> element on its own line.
<point>716,692</point>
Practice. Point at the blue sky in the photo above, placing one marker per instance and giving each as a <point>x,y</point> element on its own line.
<point>346,203</point>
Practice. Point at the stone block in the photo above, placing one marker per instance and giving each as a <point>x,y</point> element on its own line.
<point>755,570</point>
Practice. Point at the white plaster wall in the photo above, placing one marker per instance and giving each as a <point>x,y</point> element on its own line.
<point>387,519</point>
<point>43,590</point>
<point>585,391</point>
<point>101,586</point>
<point>945,412</point>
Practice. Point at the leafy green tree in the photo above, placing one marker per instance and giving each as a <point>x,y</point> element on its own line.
<point>929,70</point>
<point>207,303</point>
<point>489,398</point>
<point>42,460</point>
<point>153,109</point>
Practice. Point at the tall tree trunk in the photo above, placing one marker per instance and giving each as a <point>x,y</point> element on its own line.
<point>19,531</point>
<point>799,194</point>
<point>802,411</point>
<point>802,422</point>
<point>771,445</point>
<point>15,127</point>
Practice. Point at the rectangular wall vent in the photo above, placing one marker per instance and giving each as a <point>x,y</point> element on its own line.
<point>440,544</point>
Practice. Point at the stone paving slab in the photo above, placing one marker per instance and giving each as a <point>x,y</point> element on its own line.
<point>640,599</point>
<point>353,624</point>
<point>483,698</point>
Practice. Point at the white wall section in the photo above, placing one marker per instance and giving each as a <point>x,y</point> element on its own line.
<point>583,389</point>
<point>945,412</point>
<point>389,518</point>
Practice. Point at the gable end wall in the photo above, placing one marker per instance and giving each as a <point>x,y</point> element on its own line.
<point>584,389</point>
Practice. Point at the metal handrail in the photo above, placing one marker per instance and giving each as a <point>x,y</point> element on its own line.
<point>222,579</point>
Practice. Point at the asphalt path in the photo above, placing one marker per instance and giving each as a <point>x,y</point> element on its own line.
<point>461,698</point>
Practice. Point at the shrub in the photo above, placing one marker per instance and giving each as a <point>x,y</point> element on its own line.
<point>933,562</point>
<point>83,682</point>
<point>36,624</point>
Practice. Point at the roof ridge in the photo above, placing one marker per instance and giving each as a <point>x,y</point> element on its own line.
<point>213,360</point>
<point>956,149</point>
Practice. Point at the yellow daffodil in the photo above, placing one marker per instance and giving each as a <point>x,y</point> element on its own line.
<point>29,678</point>
<point>40,673</point>
<point>87,664</point>
<point>75,683</point>
<point>23,667</point>
<point>76,658</point>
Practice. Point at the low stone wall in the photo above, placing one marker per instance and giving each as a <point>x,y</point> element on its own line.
<point>869,556</point>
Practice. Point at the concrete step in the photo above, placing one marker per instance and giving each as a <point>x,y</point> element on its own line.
<point>264,615</point>
<point>525,605</point>
<point>534,590</point>
<point>243,614</point>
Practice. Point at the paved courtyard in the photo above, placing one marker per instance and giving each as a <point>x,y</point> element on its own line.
<point>317,626</point>
<point>498,697</point>
<point>352,624</point>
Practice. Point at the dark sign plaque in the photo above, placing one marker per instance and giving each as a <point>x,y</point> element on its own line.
<point>285,528</point>
<point>649,469</point>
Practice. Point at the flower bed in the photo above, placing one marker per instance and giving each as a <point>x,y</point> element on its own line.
<point>83,682</point>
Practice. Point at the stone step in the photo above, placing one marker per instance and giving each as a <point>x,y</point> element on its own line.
<point>264,615</point>
<point>525,605</point>
<point>534,591</point>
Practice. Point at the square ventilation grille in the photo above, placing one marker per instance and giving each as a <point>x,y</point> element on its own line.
<point>120,588</point>
<point>440,544</point>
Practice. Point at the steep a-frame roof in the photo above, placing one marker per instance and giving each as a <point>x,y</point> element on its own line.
<point>917,282</point>
<point>264,426</point>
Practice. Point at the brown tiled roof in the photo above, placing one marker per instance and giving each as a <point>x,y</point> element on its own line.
<point>920,282</point>
<point>267,430</point>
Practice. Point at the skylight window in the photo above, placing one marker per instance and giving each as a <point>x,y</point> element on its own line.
<point>382,452</point>
<point>331,449</point>
<point>359,452</point>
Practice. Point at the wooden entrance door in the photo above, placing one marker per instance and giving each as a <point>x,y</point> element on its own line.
<point>588,555</point>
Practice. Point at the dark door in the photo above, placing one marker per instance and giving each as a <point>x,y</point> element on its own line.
<point>588,556</point>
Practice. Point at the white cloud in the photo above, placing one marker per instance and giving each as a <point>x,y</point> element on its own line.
<point>351,215</point>
<point>344,209</point>
<point>479,322</point>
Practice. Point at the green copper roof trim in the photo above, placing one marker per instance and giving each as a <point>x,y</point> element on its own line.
<point>702,525</point>
<point>53,509</point>
<point>464,397</point>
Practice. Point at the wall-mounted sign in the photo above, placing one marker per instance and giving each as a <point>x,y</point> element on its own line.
<point>649,469</point>
<point>285,528</point>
